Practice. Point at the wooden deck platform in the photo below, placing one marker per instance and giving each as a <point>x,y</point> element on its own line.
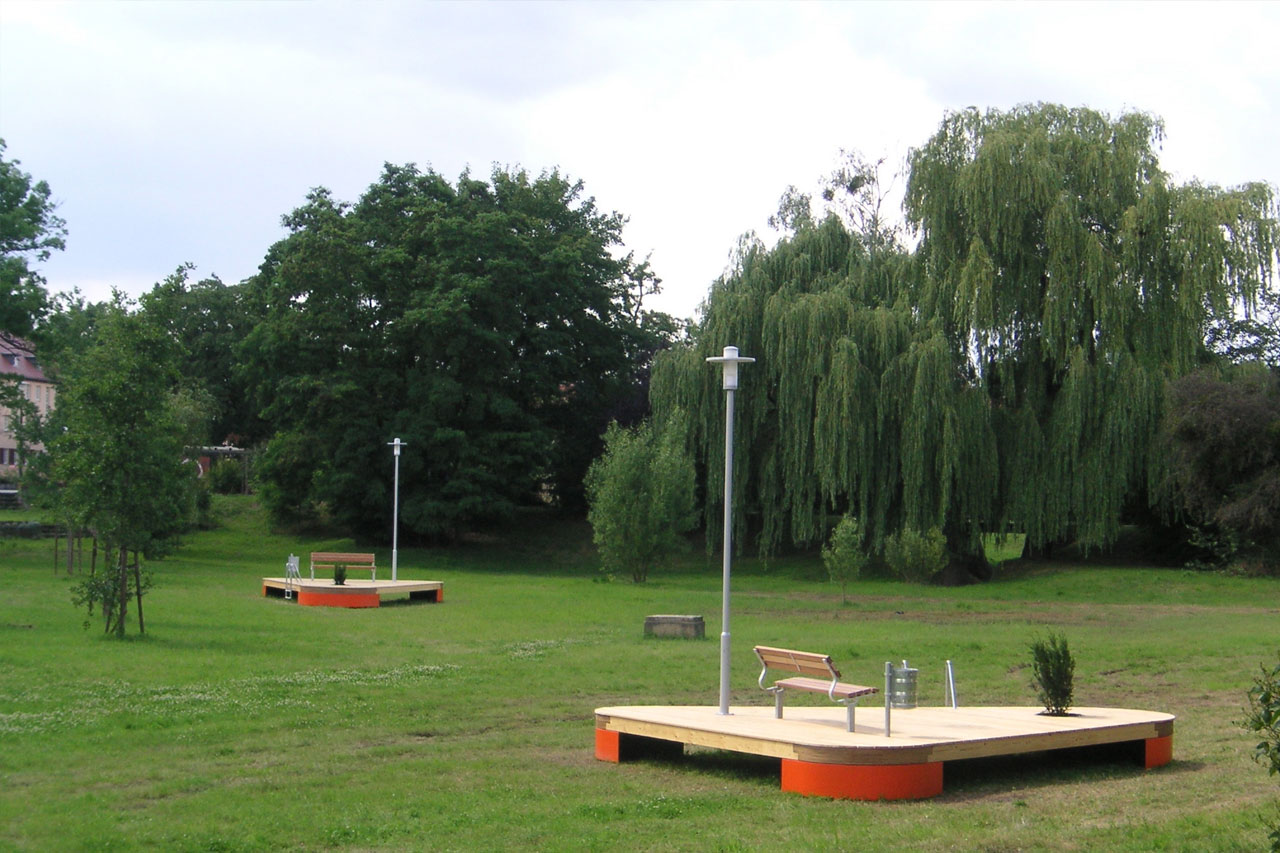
<point>355,593</point>
<point>819,757</point>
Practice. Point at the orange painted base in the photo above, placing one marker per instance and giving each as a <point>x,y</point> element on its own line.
<point>1159,751</point>
<point>307,597</point>
<point>862,781</point>
<point>608,746</point>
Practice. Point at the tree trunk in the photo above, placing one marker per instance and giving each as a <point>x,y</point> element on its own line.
<point>123,574</point>
<point>137,586</point>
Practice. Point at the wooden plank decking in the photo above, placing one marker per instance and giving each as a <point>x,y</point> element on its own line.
<point>822,758</point>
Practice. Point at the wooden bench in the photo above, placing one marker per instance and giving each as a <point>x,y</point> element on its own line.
<point>808,664</point>
<point>330,559</point>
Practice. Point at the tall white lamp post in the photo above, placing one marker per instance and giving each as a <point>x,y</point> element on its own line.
<point>395,512</point>
<point>730,361</point>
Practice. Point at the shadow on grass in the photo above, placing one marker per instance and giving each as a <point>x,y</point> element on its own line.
<point>756,770</point>
<point>978,778</point>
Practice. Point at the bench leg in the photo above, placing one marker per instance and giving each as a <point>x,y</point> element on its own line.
<point>851,709</point>
<point>777,704</point>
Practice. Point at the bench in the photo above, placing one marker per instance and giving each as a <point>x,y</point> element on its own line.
<point>808,664</point>
<point>330,559</point>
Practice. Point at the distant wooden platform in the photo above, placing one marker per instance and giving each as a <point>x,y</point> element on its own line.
<point>820,757</point>
<point>354,593</point>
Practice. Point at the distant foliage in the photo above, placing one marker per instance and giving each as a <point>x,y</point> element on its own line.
<point>1222,442</point>
<point>29,231</point>
<point>226,476</point>
<point>1053,673</point>
<point>845,555</point>
<point>1264,719</point>
<point>640,495</point>
<point>916,557</point>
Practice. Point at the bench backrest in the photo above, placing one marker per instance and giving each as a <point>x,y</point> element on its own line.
<point>805,663</point>
<point>329,558</point>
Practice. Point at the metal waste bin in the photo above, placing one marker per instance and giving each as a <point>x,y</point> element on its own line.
<point>902,690</point>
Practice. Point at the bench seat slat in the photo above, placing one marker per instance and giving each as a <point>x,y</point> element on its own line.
<point>815,685</point>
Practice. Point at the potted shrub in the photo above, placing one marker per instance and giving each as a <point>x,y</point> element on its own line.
<point>1053,670</point>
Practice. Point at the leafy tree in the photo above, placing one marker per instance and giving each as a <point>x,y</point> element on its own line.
<point>208,320</point>
<point>1264,719</point>
<point>1007,373</point>
<point>29,230</point>
<point>1221,438</point>
<point>488,324</point>
<point>844,556</point>
<point>115,453</point>
<point>641,497</point>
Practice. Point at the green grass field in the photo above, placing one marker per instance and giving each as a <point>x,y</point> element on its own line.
<point>246,723</point>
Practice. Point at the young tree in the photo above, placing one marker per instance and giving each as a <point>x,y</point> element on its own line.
<point>641,497</point>
<point>29,230</point>
<point>845,556</point>
<point>116,453</point>
<point>1010,371</point>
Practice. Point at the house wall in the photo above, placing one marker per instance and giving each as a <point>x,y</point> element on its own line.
<point>18,363</point>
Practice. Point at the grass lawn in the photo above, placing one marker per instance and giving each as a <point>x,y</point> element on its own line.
<point>246,723</point>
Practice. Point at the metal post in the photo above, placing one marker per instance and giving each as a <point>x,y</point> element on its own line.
<point>729,360</point>
<point>951,686</point>
<point>728,551</point>
<point>888,694</point>
<point>395,512</point>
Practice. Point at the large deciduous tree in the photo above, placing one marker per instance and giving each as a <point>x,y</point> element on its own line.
<point>208,320</point>
<point>29,231</point>
<point>488,324</point>
<point>1009,372</point>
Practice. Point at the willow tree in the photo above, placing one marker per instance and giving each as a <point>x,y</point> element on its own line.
<point>1006,374</point>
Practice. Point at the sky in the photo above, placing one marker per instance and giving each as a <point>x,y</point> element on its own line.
<point>176,132</point>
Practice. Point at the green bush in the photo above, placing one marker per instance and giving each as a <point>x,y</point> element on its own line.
<point>1053,671</point>
<point>226,477</point>
<point>844,556</point>
<point>915,557</point>
<point>1264,718</point>
<point>641,497</point>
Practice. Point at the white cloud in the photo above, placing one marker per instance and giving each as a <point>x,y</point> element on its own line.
<point>183,131</point>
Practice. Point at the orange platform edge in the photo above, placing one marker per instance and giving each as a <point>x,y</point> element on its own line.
<point>313,598</point>
<point>1159,751</point>
<point>862,781</point>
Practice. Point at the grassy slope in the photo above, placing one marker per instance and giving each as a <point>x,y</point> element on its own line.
<point>248,723</point>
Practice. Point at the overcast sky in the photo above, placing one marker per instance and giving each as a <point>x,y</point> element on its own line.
<point>182,131</point>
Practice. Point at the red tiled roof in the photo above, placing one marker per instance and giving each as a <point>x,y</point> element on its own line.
<point>18,358</point>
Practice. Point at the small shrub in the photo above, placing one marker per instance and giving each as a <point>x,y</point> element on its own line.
<point>843,556</point>
<point>226,477</point>
<point>339,575</point>
<point>1054,670</point>
<point>916,557</point>
<point>1264,718</point>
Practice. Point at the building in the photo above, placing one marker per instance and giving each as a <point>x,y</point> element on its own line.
<point>18,362</point>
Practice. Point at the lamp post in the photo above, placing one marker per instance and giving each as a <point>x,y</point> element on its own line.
<point>395,511</point>
<point>729,361</point>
